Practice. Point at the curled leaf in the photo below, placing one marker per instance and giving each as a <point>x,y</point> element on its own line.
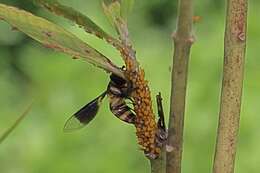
<point>113,13</point>
<point>118,8</point>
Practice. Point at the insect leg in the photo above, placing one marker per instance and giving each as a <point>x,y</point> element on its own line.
<point>161,121</point>
<point>161,134</point>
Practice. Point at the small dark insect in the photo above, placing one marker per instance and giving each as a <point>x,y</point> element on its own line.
<point>118,92</point>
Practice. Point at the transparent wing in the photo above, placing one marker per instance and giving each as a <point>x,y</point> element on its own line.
<point>84,115</point>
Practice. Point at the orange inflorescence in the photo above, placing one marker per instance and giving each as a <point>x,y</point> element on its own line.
<point>145,124</point>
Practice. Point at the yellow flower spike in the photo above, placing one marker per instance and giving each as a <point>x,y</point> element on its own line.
<point>145,119</point>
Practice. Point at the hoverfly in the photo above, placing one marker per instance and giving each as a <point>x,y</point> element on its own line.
<point>118,91</point>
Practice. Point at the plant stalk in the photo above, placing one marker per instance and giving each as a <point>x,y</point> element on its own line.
<point>15,124</point>
<point>158,165</point>
<point>183,40</point>
<point>232,84</point>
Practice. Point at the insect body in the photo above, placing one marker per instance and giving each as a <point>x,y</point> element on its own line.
<point>118,92</point>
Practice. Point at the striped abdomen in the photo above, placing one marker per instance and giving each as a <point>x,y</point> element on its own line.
<point>120,109</point>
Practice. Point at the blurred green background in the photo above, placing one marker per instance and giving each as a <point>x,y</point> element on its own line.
<point>60,86</point>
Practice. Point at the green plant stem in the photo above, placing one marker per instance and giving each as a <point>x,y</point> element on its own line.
<point>15,124</point>
<point>183,40</point>
<point>234,53</point>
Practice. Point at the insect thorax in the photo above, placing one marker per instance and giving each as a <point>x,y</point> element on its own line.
<point>118,86</point>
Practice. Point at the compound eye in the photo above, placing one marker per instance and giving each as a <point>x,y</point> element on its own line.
<point>117,80</point>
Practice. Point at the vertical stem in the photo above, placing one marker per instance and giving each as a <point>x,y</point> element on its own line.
<point>158,165</point>
<point>183,40</point>
<point>234,53</point>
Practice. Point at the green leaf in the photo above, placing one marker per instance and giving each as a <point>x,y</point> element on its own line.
<point>15,124</point>
<point>113,12</point>
<point>83,21</point>
<point>126,8</point>
<point>55,37</point>
<point>118,8</point>
<point>112,9</point>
